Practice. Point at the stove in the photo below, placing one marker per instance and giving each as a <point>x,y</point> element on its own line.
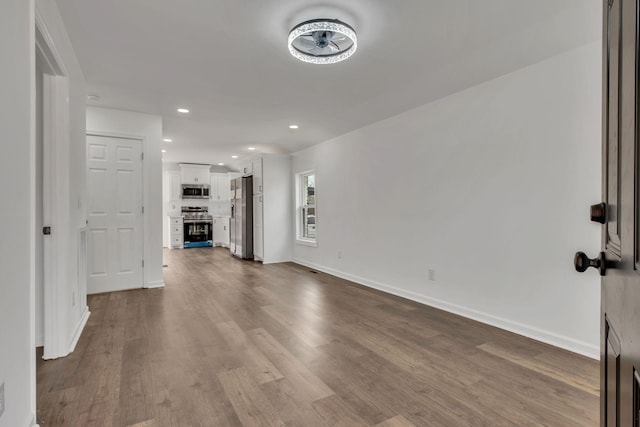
<point>198,226</point>
<point>196,213</point>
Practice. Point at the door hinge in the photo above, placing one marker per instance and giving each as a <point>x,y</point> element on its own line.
<point>142,263</point>
<point>143,209</point>
<point>141,156</point>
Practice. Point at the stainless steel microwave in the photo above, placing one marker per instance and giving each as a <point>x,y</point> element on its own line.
<point>195,191</point>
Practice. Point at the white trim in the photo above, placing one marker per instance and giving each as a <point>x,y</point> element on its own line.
<point>56,126</point>
<point>548,337</point>
<point>31,420</point>
<point>76,336</point>
<point>299,203</point>
<point>306,242</point>
<point>44,43</point>
<point>154,285</point>
<point>55,212</point>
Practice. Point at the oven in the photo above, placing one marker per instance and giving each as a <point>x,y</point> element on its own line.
<point>198,226</point>
<point>198,232</point>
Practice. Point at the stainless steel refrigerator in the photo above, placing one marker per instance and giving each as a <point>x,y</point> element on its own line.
<point>241,225</point>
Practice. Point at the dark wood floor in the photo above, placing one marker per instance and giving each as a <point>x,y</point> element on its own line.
<point>233,343</point>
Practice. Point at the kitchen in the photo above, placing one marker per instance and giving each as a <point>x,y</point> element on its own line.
<point>211,206</point>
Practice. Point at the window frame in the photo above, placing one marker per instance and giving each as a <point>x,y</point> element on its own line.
<point>301,206</point>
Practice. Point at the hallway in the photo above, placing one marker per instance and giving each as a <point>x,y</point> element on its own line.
<point>230,343</point>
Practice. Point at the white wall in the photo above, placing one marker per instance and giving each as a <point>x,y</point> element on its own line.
<point>17,359</point>
<point>149,128</point>
<point>489,187</point>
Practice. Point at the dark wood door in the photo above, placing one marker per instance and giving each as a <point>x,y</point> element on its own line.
<point>620,313</point>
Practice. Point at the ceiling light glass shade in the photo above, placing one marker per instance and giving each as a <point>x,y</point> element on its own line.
<point>322,41</point>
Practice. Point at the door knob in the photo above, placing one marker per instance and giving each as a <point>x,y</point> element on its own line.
<point>582,262</point>
<point>599,213</point>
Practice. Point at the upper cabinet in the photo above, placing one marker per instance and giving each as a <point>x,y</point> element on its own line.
<point>272,211</point>
<point>175,189</point>
<point>246,169</point>
<point>220,190</point>
<point>257,176</point>
<point>194,174</point>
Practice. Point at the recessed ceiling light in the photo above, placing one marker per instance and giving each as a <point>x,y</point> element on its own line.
<point>251,148</point>
<point>164,151</point>
<point>183,110</point>
<point>293,126</point>
<point>168,140</point>
<point>220,164</point>
<point>234,157</point>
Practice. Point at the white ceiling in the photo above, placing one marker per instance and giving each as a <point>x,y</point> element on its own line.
<point>227,60</point>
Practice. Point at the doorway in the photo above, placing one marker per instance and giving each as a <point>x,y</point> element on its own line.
<point>115,222</point>
<point>51,216</point>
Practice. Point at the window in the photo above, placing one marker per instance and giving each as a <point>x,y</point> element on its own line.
<point>307,231</point>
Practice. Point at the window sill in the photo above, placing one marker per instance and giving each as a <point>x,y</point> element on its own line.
<point>307,242</point>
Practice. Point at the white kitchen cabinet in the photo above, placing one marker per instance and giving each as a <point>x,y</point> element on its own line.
<point>175,187</point>
<point>220,190</point>
<point>176,230</point>
<point>272,213</point>
<point>258,224</point>
<point>194,174</point>
<point>246,169</point>
<point>221,231</point>
<point>257,176</point>
<point>224,188</point>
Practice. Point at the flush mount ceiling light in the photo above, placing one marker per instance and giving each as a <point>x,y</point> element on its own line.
<point>322,41</point>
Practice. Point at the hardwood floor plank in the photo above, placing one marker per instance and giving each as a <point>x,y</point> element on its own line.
<point>235,343</point>
<point>397,421</point>
<point>303,380</point>
<point>307,332</point>
<point>336,412</point>
<point>250,404</point>
<point>261,368</point>
<point>546,369</point>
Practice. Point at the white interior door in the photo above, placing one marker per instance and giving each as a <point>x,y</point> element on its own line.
<point>114,180</point>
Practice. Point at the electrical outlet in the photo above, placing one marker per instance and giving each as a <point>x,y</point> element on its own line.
<point>1,399</point>
<point>432,275</point>
<point>339,254</point>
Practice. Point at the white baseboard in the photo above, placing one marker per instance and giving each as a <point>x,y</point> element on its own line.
<point>548,337</point>
<point>39,340</point>
<point>31,421</point>
<point>79,328</point>
<point>156,284</point>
